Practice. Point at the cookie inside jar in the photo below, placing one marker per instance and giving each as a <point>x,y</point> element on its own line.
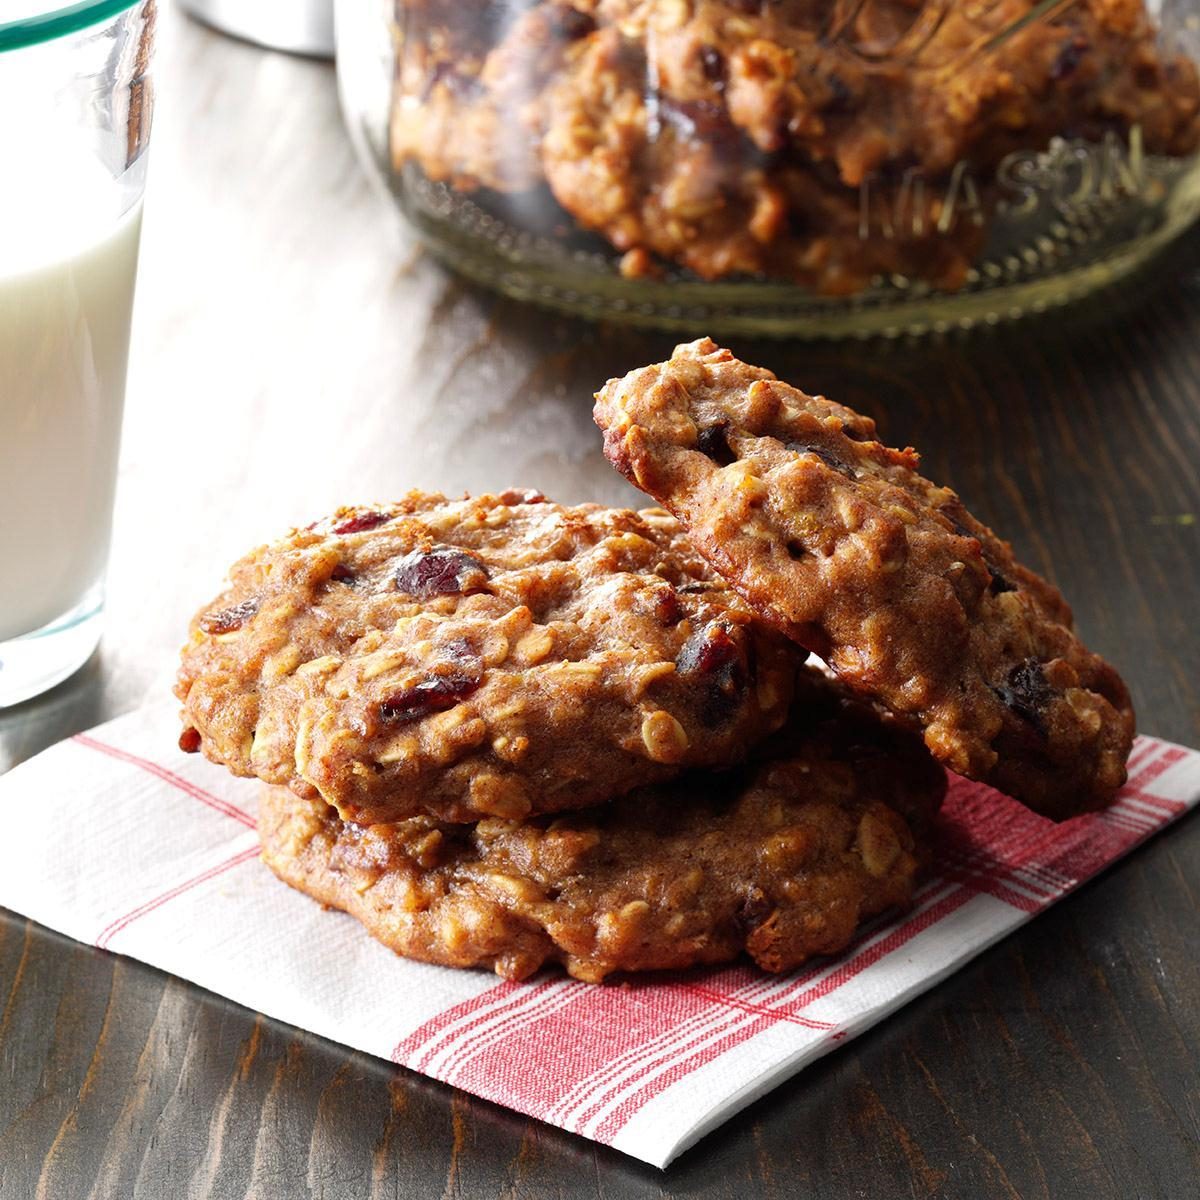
<point>828,145</point>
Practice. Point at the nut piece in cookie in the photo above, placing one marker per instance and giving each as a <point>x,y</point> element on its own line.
<point>780,861</point>
<point>840,543</point>
<point>496,656</point>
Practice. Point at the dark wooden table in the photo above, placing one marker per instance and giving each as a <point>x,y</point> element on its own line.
<point>294,351</point>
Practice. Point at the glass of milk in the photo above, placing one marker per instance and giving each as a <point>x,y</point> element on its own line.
<point>75,102</point>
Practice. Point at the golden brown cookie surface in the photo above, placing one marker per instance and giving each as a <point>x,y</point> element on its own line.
<point>781,861</point>
<point>494,656</point>
<point>843,545</point>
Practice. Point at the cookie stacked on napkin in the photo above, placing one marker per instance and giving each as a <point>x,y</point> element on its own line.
<point>502,732</point>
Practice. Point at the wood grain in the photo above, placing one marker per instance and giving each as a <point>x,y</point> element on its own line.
<point>293,350</point>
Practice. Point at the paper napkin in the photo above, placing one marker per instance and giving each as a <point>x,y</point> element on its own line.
<point>130,845</point>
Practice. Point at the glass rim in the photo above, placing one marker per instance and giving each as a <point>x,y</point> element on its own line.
<point>58,21</point>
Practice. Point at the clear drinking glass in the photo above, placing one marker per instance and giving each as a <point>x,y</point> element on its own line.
<point>75,105</point>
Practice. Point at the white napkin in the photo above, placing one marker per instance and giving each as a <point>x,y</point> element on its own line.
<point>126,843</point>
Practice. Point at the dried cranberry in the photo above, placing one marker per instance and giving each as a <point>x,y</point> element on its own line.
<point>189,740</point>
<point>454,680</point>
<point>713,442</point>
<point>707,651</point>
<point>231,618</point>
<point>826,456</point>
<point>429,696</point>
<point>1026,692</point>
<point>361,521</point>
<point>442,571</point>
<point>667,607</point>
<point>714,655</point>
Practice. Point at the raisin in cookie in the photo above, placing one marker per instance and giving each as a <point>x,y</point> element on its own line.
<point>781,861</point>
<point>494,656</point>
<point>839,542</point>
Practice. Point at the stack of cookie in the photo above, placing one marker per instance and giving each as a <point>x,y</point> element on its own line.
<point>503,732</point>
<point>737,138</point>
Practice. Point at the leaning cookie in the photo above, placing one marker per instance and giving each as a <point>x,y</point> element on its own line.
<point>495,656</point>
<point>839,542</point>
<point>780,861</point>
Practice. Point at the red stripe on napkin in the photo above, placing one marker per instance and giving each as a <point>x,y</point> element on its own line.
<point>590,1058</point>
<point>114,927</point>
<point>177,781</point>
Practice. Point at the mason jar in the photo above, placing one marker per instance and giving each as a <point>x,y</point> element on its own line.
<point>793,167</point>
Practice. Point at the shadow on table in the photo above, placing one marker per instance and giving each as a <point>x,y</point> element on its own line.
<point>902,382</point>
<point>73,705</point>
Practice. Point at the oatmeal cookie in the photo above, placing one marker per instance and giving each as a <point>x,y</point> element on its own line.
<point>677,180</point>
<point>843,545</point>
<point>494,656</point>
<point>885,85</point>
<point>793,139</point>
<point>780,861</point>
<point>470,89</point>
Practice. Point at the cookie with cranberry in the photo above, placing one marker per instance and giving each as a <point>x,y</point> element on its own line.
<point>780,861</point>
<point>843,545</point>
<point>494,656</point>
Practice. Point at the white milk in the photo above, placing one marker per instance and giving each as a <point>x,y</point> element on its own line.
<point>66,290</point>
